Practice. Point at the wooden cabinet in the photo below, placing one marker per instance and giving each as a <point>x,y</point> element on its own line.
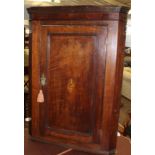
<point>79,52</point>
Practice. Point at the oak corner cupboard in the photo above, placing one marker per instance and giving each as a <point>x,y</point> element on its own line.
<point>76,75</point>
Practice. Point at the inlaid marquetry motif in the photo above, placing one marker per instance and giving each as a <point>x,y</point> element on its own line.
<point>71,85</point>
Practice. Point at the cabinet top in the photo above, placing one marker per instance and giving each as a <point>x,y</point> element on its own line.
<point>79,8</point>
<point>69,12</point>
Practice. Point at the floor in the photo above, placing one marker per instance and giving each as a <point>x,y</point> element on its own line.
<point>125,117</point>
<point>125,110</point>
<point>37,148</point>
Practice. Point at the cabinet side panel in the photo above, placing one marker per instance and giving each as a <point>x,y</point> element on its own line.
<point>35,75</point>
<point>118,82</point>
<point>113,79</point>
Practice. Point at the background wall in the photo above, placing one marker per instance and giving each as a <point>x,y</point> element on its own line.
<point>128,32</point>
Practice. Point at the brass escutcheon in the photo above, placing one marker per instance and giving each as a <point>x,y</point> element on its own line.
<point>43,79</point>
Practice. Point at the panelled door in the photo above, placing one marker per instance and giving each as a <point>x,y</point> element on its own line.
<point>72,59</point>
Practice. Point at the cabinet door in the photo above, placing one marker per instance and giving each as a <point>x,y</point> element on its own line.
<point>72,59</point>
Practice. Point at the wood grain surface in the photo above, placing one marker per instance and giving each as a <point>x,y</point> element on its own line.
<point>80,52</point>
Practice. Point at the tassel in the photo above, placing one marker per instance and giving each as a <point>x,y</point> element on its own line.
<point>40,97</point>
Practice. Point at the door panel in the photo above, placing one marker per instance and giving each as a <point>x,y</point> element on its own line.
<point>73,60</point>
<point>70,83</point>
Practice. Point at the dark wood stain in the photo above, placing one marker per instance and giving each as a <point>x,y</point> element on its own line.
<point>32,147</point>
<point>65,74</point>
<point>80,51</point>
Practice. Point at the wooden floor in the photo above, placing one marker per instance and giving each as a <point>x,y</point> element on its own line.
<point>37,148</point>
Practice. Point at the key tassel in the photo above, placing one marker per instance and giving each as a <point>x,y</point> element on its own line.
<point>40,97</point>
